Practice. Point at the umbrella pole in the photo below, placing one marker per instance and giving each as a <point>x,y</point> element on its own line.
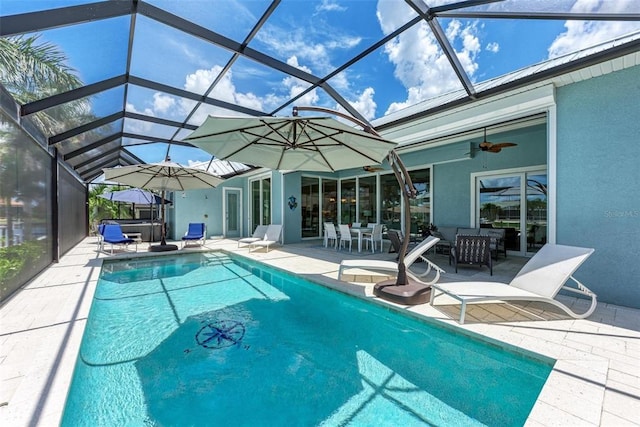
<point>151,237</point>
<point>408,192</point>
<point>163,242</point>
<point>402,176</point>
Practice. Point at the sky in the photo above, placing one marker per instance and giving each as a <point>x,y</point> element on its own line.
<point>316,37</point>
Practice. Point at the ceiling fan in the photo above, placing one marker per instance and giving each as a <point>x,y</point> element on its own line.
<point>372,168</point>
<point>491,147</point>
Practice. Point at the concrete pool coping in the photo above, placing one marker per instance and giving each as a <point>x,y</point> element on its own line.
<point>595,380</point>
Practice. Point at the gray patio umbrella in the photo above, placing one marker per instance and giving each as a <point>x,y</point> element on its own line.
<point>163,176</point>
<point>136,196</point>
<point>304,144</point>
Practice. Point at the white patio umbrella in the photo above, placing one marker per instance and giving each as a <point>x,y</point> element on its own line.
<point>304,144</point>
<point>163,176</point>
<point>290,143</point>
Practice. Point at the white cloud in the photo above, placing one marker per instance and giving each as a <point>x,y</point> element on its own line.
<point>137,126</point>
<point>312,43</point>
<point>493,47</point>
<point>286,43</point>
<point>365,104</point>
<point>329,6</point>
<point>393,14</point>
<point>296,86</point>
<point>420,65</point>
<point>200,80</point>
<point>583,34</point>
<point>162,103</point>
<point>133,109</point>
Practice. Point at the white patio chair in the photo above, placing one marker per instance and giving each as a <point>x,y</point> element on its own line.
<point>374,237</point>
<point>258,234</point>
<point>271,237</point>
<point>330,234</point>
<point>346,237</point>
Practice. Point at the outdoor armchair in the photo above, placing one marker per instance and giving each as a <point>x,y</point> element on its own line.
<point>471,250</point>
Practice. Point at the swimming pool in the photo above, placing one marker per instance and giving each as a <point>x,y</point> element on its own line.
<point>215,339</point>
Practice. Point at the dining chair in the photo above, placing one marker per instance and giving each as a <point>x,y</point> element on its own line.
<point>345,236</point>
<point>374,237</point>
<point>330,234</point>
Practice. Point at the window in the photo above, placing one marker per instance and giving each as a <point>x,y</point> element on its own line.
<point>367,200</point>
<point>421,205</point>
<point>310,208</point>
<point>329,200</point>
<point>391,202</point>
<point>348,201</point>
<point>317,207</point>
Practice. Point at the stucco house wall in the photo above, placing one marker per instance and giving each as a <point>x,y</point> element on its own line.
<point>598,189</point>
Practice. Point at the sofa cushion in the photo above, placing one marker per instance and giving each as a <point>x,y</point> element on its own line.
<point>468,231</point>
<point>446,233</point>
<point>493,232</point>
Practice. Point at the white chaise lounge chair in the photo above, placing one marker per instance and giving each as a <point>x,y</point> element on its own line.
<point>272,236</point>
<point>540,279</point>
<point>258,234</point>
<point>392,267</point>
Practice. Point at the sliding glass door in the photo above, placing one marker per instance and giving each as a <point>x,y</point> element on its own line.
<point>318,206</point>
<point>516,202</point>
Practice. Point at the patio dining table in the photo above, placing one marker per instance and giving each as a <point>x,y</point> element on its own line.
<point>359,231</point>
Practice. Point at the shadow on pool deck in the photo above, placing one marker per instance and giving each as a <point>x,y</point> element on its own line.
<point>41,329</point>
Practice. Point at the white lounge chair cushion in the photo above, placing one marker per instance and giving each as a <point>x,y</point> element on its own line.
<point>257,235</point>
<point>271,237</point>
<point>540,279</point>
<point>370,264</point>
<point>484,291</point>
<point>392,267</point>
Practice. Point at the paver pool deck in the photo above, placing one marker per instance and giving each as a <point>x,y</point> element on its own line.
<point>595,380</point>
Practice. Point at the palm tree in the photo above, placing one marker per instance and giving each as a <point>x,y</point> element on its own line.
<point>490,211</point>
<point>99,207</point>
<point>30,71</point>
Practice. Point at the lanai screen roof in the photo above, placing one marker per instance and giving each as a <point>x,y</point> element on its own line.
<point>130,78</point>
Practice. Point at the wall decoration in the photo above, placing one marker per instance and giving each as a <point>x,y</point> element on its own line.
<point>293,204</point>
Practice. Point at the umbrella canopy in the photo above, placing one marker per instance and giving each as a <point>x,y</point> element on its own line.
<point>133,195</point>
<point>290,143</point>
<point>320,144</point>
<point>165,176</point>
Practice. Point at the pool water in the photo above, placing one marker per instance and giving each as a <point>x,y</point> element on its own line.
<point>218,340</point>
